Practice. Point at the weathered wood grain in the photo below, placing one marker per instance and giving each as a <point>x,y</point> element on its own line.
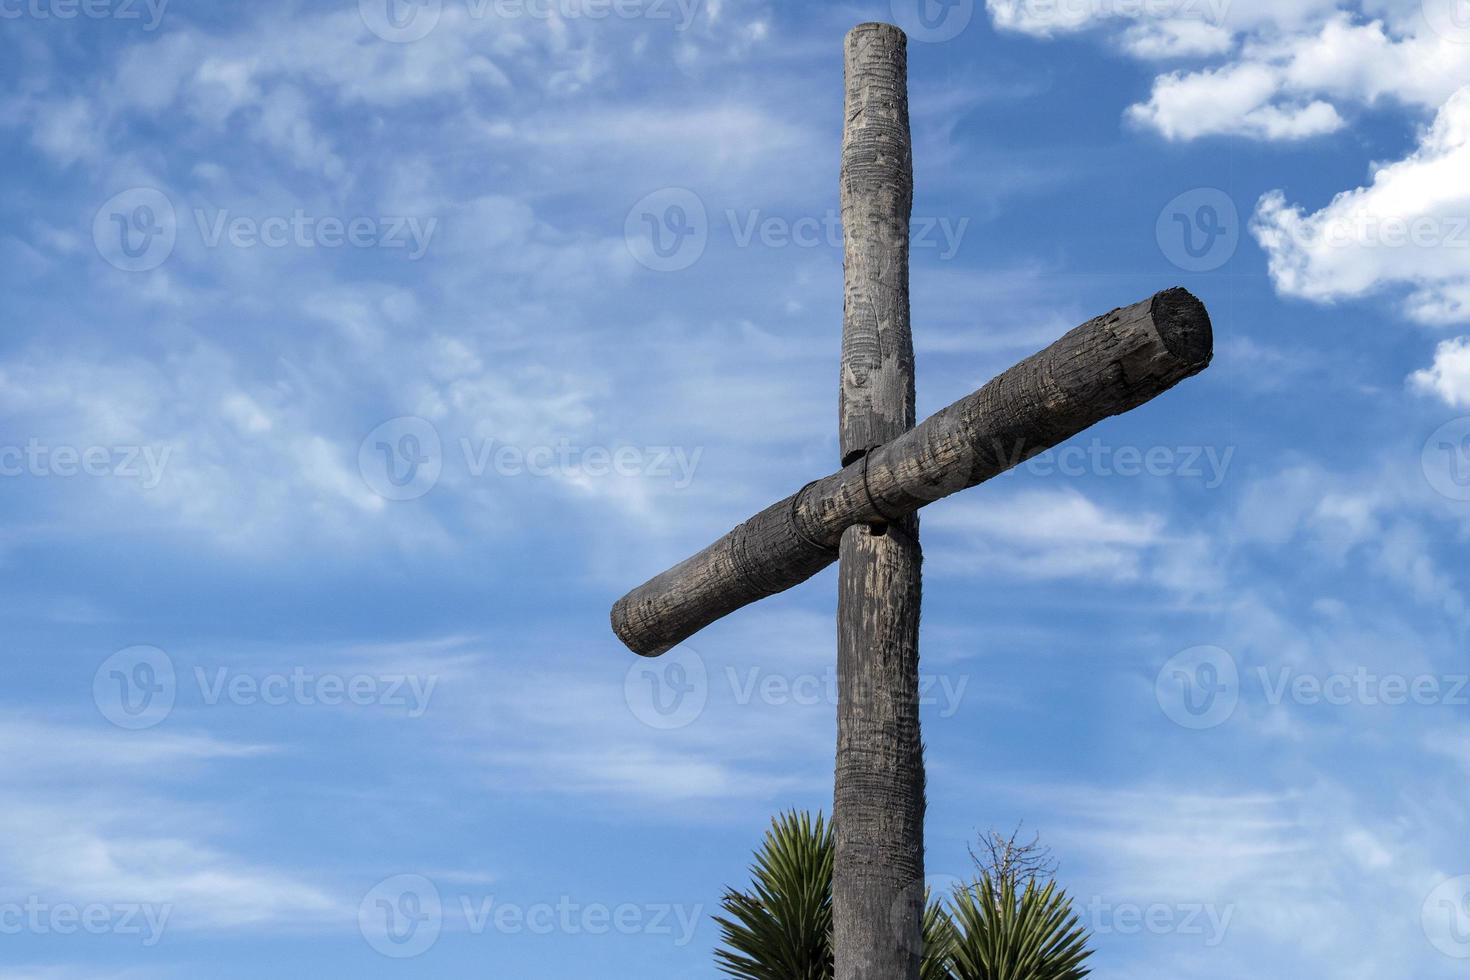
<point>878,795</point>
<point>1105,367</point>
<point>876,400</point>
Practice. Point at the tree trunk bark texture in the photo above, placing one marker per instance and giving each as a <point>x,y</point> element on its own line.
<point>878,802</point>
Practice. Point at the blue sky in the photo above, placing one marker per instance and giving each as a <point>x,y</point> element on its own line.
<point>345,385</point>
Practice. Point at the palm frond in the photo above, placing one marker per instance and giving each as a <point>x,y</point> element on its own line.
<point>782,928</point>
<point>939,940</point>
<point>1004,933</point>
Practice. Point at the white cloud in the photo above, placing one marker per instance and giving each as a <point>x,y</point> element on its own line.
<point>249,468</point>
<point>284,123</point>
<point>1282,74</point>
<point>1290,71</point>
<point>34,749</point>
<point>1045,534</point>
<point>284,79</point>
<point>1366,62</point>
<point>67,131</point>
<point>1313,870</point>
<point>247,416</point>
<point>1236,100</point>
<point>1409,227</point>
<point>1048,18</point>
<point>86,850</point>
<point>1448,377</point>
<point>79,823</point>
<point>1374,519</point>
<point>1176,39</point>
<point>584,732</point>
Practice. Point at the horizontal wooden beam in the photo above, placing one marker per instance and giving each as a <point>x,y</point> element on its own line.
<point>1103,368</point>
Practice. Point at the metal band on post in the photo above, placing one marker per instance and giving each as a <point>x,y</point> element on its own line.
<point>867,492</point>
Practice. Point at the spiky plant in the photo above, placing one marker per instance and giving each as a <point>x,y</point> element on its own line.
<point>1002,932</point>
<point>782,928</point>
<point>939,940</point>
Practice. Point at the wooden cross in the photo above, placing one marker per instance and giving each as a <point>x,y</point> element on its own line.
<point>866,514</point>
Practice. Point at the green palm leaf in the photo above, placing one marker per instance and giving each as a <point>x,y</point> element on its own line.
<point>782,928</point>
<point>939,940</point>
<point>1003,933</point>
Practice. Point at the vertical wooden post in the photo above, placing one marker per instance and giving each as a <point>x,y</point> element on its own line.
<point>878,806</point>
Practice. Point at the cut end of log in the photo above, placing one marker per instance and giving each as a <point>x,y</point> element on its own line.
<point>877,27</point>
<point>622,625</point>
<point>1184,327</point>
